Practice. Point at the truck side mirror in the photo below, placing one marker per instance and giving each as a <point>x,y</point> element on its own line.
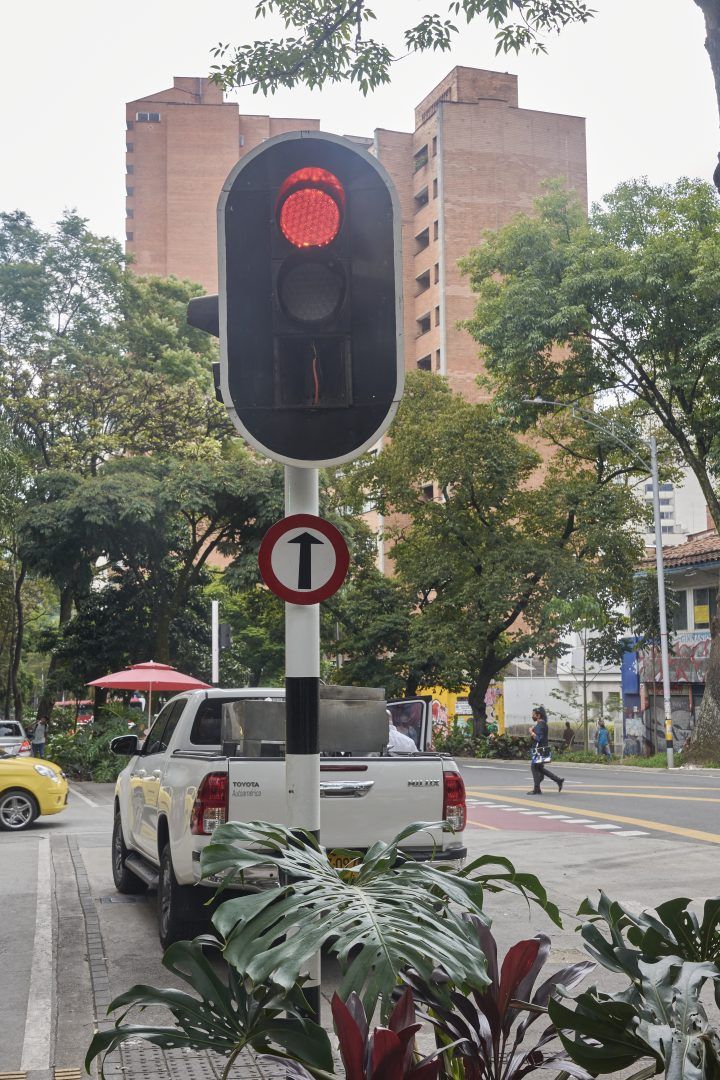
<point>125,745</point>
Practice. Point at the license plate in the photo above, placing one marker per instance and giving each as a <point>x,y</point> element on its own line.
<point>341,862</point>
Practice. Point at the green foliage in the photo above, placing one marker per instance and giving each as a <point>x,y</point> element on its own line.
<point>224,1014</point>
<point>155,522</point>
<point>379,915</point>
<point>655,761</point>
<point>583,757</point>
<point>670,929</point>
<point>327,40</point>
<point>483,1030</point>
<point>463,744</point>
<point>491,561</point>
<point>645,609</point>
<point>86,754</point>
<point>622,306</point>
<point>667,954</point>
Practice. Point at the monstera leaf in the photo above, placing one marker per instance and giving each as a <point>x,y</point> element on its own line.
<point>379,916</point>
<point>671,929</point>
<point>221,1014</point>
<point>659,1017</point>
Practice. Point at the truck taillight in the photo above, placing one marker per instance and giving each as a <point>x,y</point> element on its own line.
<point>454,809</point>
<point>210,806</point>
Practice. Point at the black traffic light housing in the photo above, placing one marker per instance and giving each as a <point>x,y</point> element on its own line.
<point>310,301</point>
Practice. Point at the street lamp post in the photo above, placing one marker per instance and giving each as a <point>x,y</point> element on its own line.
<point>652,468</point>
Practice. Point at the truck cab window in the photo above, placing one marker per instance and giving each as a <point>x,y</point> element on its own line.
<point>159,735</point>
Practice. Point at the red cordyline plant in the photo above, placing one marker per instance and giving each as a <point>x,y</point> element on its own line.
<point>388,1052</point>
<point>482,1031</point>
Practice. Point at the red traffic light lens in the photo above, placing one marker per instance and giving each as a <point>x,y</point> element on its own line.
<point>310,208</point>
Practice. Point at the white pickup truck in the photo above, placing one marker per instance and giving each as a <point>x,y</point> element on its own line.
<point>214,755</point>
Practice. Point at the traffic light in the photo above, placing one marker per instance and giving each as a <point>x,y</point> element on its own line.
<point>310,302</point>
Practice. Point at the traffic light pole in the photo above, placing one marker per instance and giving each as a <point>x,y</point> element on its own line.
<point>302,689</point>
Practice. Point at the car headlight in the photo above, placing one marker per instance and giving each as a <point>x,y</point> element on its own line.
<point>45,771</point>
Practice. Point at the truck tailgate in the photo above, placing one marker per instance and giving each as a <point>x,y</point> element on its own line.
<point>362,800</point>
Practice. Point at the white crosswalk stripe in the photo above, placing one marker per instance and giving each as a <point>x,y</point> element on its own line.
<point>566,819</point>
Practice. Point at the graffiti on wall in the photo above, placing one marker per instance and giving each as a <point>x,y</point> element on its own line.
<point>688,660</point>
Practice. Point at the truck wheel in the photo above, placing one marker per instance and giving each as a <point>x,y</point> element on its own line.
<point>179,908</point>
<point>125,880</point>
<point>18,810</point>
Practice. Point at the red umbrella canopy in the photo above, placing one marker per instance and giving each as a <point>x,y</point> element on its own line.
<point>150,676</point>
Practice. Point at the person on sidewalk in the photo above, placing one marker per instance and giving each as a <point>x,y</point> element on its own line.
<point>541,752</point>
<point>39,737</point>
<point>602,740</point>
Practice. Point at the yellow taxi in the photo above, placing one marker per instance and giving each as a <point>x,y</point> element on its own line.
<point>29,787</point>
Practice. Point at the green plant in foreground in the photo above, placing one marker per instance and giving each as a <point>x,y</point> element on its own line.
<point>223,1016</point>
<point>379,916</point>
<point>668,955</point>
<point>483,1030</point>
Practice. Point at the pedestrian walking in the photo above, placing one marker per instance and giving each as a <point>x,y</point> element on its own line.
<point>39,737</point>
<point>541,752</point>
<point>602,740</point>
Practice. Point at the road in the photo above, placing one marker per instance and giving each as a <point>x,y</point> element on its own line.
<point>69,943</point>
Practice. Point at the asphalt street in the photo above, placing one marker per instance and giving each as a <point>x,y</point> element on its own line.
<point>69,943</point>
<point>624,801</point>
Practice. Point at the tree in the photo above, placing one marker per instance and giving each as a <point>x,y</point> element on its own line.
<point>94,364</point>
<point>155,524</point>
<point>488,558</point>
<point>624,304</point>
<point>328,44</point>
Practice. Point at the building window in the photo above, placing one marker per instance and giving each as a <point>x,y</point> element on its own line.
<point>128,236</point>
<point>666,514</point>
<point>422,240</point>
<point>420,159</point>
<point>437,316</point>
<point>421,199</point>
<point>704,607</point>
<point>437,272</point>
<point>129,125</point>
<point>130,213</point>
<point>435,188</point>
<point>424,363</point>
<point>129,147</point>
<point>242,140</point>
<point>437,359</point>
<point>422,283</point>
<point>428,492</point>
<point>423,325</point>
<point>148,117</point>
<point>434,146</point>
<point>130,169</point>
<point>435,230</point>
<point>130,191</point>
<point>680,615</point>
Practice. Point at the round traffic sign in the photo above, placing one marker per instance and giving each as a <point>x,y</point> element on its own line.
<point>303,559</point>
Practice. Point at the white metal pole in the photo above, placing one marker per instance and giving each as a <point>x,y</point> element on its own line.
<point>302,690</point>
<point>215,647</point>
<point>659,562</point>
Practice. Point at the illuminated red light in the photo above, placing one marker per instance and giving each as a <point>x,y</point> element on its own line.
<point>310,207</point>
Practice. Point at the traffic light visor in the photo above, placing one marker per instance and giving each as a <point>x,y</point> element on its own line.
<point>310,207</point>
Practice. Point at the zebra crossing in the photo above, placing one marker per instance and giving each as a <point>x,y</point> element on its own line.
<point>561,819</point>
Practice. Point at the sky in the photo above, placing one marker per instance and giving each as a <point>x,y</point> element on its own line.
<point>638,72</point>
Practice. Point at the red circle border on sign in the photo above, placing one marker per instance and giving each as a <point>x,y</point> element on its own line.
<point>303,521</point>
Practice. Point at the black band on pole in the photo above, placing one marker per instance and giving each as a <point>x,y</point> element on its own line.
<point>301,709</point>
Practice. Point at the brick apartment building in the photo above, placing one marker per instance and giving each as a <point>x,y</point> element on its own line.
<point>473,161</point>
